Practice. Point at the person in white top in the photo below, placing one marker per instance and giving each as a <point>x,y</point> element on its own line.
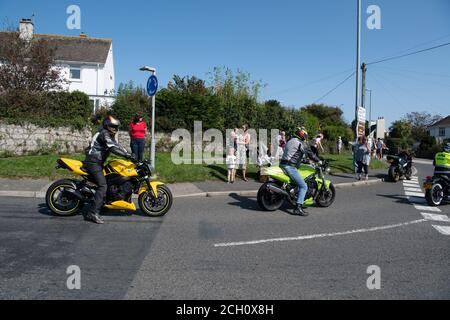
<point>339,145</point>
<point>316,144</point>
<point>231,163</point>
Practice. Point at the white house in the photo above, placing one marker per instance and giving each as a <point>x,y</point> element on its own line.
<point>440,130</point>
<point>86,63</point>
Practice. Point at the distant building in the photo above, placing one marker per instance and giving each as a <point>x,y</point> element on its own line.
<point>378,129</point>
<point>86,63</point>
<point>440,130</point>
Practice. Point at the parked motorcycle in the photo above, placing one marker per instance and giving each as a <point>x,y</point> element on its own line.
<point>401,167</point>
<point>437,190</point>
<point>281,188</point>
<point>67,197</point>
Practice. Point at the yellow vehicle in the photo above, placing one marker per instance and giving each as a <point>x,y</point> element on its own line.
<point>67,197</point>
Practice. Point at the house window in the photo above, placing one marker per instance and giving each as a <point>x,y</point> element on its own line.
<point>75,73</point>
<point>441,132</point>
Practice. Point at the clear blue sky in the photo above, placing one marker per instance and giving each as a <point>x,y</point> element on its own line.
<point>283,43</point>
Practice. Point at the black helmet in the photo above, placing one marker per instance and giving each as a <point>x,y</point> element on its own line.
<point>111,124</point>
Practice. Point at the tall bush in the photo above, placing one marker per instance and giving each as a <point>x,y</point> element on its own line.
<point>53,109</point>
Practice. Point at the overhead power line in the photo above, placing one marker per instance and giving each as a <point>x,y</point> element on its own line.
<point>409,54</point>
<point>335,88</point>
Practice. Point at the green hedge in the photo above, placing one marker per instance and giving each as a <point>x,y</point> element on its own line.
<point>46,109</point>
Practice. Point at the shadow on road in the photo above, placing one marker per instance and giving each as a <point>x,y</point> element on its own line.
<point>43,209</point>
<point>399,198</point>
<point>251,204</point>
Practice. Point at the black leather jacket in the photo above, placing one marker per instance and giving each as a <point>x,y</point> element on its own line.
<point>295,151</point>
<point>102,144</point>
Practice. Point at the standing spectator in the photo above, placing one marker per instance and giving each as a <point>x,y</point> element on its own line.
<point>231,163</point>
<point>339,145</point>
<point>362,157</point>
<point>316,144</point>
<point>241,152</point>
<point>232,143</point>
<point>281,143</point>
<point>379,149</point>
<point>138,131</point>
<point>247,140</point>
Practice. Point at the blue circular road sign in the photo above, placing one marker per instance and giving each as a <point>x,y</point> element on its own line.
<point>152,85</point>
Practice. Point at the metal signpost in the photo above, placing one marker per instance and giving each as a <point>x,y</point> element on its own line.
<point>152,88</point>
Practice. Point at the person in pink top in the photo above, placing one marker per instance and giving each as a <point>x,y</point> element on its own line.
<point>138,131</point>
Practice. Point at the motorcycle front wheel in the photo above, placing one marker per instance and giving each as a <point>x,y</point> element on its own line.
<point>269,200</point>
<point>326,197</point>
<point>393,174</point>
<point>60,201</point>
<point>435,195</point>
<point>156,207</point>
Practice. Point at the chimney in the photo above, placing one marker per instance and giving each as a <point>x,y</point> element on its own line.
<point>26,29</point>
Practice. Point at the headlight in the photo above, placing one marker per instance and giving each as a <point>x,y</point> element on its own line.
<point>328,170</point>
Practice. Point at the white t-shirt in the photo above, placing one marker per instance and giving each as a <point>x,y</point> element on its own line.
<point>231,162</point>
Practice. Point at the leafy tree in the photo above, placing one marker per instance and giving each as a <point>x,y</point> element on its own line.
<point>327,115</point>
<point>28,64</point>
<point>400,129</point>
<point>420,121</point>
<point>129,101</point>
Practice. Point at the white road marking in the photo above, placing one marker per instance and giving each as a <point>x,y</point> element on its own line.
<point>427,208</point>
<point>444,230</point>
<point>316,236</point>
<point>413,190</point>
<point>406,184</point>
<point>410,184</point>
<point>436,217</point>
<point>415,194</point>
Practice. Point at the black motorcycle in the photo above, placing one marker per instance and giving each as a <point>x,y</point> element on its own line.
<point>401,166</point>
<point>437,190</point>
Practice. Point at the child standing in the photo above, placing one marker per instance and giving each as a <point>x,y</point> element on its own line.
<point>231,163</point>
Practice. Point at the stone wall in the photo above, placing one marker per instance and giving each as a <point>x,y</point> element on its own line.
<point>17,140</point>
<point>30,139</point>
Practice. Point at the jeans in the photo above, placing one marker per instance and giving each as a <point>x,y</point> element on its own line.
<point>138,148</point>
<point>96,172</point>
<point>302,186</point>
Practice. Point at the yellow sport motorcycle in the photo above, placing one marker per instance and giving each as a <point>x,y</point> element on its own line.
<point>67,197</point>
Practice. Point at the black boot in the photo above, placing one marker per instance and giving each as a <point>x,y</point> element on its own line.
<point>299,211</point>
<point>94,218</point>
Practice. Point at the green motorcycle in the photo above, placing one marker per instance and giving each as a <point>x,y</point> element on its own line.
<point>280,188</point>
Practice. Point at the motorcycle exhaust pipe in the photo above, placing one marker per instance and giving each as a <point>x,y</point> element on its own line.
<point>75,193</point>
<point>277,190</point>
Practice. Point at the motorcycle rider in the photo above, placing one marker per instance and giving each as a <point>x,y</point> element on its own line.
<point>102,144</point>
<point>295,151</point>
<point>442,162</point>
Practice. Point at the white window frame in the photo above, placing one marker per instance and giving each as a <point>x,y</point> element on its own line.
<point>442,132</point>
<point>75,67</point>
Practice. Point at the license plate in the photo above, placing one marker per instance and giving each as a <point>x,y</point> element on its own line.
<point>427,186</point>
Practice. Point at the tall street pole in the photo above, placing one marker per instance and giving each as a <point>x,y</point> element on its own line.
<point>358,64</point>
<point>153,147</point>
<point>153,111</point>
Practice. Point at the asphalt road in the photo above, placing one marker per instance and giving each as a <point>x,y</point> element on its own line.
<point>226,248</point>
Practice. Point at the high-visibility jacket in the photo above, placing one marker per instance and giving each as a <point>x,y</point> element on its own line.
<point>442,163</point>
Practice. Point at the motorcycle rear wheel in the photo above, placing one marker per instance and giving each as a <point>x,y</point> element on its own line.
<point>61,203</point>
<point>435,196</point>
<point>156,207</point>
<point>269,200</point>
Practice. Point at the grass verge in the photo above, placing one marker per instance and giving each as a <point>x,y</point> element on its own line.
<point>44,167</point>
